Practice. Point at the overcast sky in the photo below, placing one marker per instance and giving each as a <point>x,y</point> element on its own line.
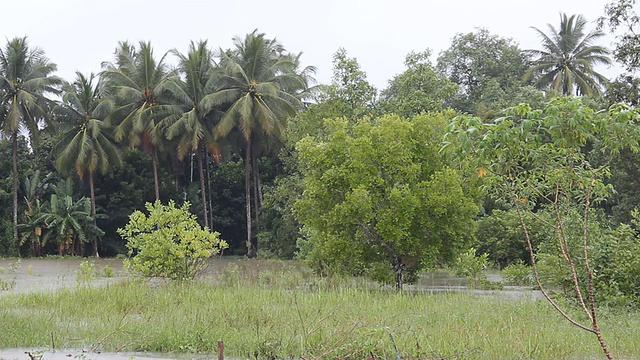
<point>80,34</point>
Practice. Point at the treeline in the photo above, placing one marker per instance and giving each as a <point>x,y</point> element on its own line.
<point>341,174</point>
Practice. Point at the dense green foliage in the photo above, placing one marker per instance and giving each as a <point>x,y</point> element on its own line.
<point>378,199</point>
<point>488,70</point>
<point>168,242</point>
<point>418,89</point>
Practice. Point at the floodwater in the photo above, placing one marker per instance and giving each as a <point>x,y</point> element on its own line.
<point>30,354</point>
<point>28,275</point>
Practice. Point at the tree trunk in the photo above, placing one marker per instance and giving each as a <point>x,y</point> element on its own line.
<point>256,184</point>
<point>251,250</point>
<point>399,268</point>
<point>92,193</point>
<point>203,192</point>
<point>154,164</point>
<point>14,140</point>
<point>206,161</point>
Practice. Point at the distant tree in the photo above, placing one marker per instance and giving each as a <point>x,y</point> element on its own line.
<point>620,15</point>
<point>87,146</point>
<point>350,87</point>
<point>26,76</point>
<point>378,200</point>
<point>136,80</point>
<point>566,63</point>
<point>487,68</point>
<point>624,22</point>
<point>192,127</point>
<point>257,91</point>
<point>625,88</point>
<point>418,89</point>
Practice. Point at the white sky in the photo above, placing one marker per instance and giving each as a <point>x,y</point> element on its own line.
<point>80,34</point>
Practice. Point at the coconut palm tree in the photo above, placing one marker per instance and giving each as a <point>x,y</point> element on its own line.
<point>256,89</point>
<point>25,78</point>
<point>567,60</point>
<point>193,126</point>
<point>87,145</point>
<point>136,81</point>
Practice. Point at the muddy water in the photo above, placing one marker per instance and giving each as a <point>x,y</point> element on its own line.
<point>30,354</point>
<point>26,275</point>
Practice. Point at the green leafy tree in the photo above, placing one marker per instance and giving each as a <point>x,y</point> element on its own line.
<point>137,82</point>
<point>349,89</point>
<point>566,63</point>
<point>87,146</point>
<point>256,91</point>
<point>487,68</point>
<point>531,158</point>
<point>622,19</point>
<point>625,88</point>
<point>377,199</point>
<point>168,242</point>
<point>25,78</point>
<point>418,89</point>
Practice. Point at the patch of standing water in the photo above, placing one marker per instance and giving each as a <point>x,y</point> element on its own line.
<point>29,354</point>
<point>26,275</point>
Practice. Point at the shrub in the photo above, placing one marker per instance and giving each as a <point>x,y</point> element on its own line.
<point>471,266</point>
<point>518,274</point>
<point>108,271</point>
<point>85,273</point>
<point>168,242</point>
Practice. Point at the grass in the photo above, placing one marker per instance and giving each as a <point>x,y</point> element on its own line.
<point>284,312</point>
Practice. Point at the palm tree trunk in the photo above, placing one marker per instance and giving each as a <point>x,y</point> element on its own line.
<point>154,164</point>
<point>203,192</point>
<point>251,251</point>
<point>256,197</point>
<point>14,140</point>
<point>206,161</point>
<point>93,212</point>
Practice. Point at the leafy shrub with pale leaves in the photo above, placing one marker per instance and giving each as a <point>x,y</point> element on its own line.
<point>168,242</point>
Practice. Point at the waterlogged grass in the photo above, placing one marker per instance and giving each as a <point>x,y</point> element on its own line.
<point>287,313</point>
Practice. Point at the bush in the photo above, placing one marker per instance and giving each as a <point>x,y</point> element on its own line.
<point>518,274</point>
<point>471,266</point>
<point>168,242</point>
<point>85,273</point>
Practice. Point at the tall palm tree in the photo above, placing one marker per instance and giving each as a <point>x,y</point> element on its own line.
<point>25,78</point>
<point>136,81</point>
<point>567,62</point>
<point>257,82</point>
<point>192,127</point>
<point>87,145</point>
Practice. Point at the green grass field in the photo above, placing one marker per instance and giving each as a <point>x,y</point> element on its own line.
<point>285,312</point>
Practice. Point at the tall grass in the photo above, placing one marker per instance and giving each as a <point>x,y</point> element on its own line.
<point>285,312</point>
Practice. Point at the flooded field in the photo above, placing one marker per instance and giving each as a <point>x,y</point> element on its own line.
<point>26,275</point>
<point>48,275</point>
